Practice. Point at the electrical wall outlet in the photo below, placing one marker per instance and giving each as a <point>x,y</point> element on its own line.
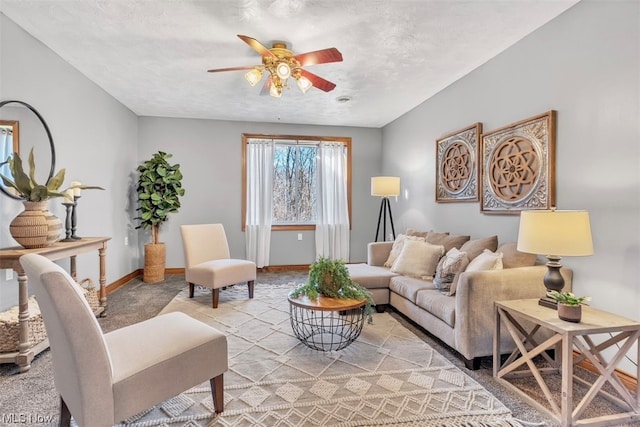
<point>299,236</point>
<point>126,240</point>
<point>8,274</point>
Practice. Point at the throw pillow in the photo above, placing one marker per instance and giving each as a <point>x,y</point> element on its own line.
<point>473,248</point>
<point>417,259</point>
<point>512,258</point>
<point>414,232</point>
<point>397,248</point>
<point>447,240</point>
<point>487,260</point>
<point>451,264</point>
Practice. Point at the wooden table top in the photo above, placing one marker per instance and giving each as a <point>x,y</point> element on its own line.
<point>324,303</point>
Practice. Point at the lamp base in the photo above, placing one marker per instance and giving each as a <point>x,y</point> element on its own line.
<point>548,302</point>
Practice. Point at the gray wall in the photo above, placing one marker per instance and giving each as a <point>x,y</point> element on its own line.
<point>96,142</point>
<point>584,64</point>
<point>210,156</point>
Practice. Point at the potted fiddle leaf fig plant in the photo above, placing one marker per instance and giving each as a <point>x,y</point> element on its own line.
<point>331,278</point>
<point>159,190</point>
<point>569,305</point>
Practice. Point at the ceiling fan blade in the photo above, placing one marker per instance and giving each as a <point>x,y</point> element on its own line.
<point>318,82</point>
<point>319,57</point>
<point>256,45</point>
<point>266,87</point>
<point>217,70</point>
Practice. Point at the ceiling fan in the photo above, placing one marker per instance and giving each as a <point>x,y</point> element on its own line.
<point>281,64</point>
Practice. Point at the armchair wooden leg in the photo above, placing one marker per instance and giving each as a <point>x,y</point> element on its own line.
<point>215,295</point>
<point>191,289</point>
<point>65,415</point>
<point>217,392</point>
<point>250,284</point>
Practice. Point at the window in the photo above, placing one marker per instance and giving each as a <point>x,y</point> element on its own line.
<point>294,179</point>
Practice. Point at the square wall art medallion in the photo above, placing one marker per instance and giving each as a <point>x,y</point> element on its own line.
<point>518,166</point>
<point>457,165</point>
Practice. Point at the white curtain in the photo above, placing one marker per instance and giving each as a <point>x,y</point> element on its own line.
<point>259,201</point>
<point>332,222</point>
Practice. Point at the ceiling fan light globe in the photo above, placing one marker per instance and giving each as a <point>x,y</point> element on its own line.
<point>304,84</point>
<point>283,70</point>
<point>253,76</point>
<point>275,91</point>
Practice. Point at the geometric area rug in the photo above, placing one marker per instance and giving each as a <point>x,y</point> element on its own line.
<point>388,376</point>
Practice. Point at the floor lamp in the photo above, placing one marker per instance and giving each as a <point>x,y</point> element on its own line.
<point>385,187</point>
<point>554,234</point>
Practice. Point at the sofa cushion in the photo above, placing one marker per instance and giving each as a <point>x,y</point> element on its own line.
<point>454,262</point>
<point>398,244</point>
<point>418,259</point>
<point>487,260</point>
<point>512,258</point>
<point>369,276</point>
<point>417,233</point>
<point>447,240</point>
<point>473,248</point>
<point>408,287</point>
<point>439,305</point>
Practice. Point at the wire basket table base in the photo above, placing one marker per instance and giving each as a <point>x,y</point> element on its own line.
<point>326,324</point>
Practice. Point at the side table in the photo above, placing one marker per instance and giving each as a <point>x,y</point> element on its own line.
<point>326,324</point>
<point>518,316</point>
<point>10,258</point>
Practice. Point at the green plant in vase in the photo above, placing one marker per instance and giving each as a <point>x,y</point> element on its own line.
<point>567,298</point>
<point>569,305</point>
<point>331,278</point>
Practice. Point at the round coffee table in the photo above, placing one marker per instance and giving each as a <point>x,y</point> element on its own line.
<point>326,324</point>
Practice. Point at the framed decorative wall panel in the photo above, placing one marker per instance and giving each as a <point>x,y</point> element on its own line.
<point>457,165</point>
<point>518,166</point>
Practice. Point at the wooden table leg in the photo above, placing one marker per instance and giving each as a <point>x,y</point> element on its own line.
<point>103,281</point>
<point>73,268</point>
<point>25,354</point>
<point>566,396</point>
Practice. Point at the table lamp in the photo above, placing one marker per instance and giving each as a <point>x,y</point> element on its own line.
<point>554,234</point>
<point>385,187</point>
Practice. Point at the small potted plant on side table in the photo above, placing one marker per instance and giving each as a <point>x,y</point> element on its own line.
<point>569,305</point>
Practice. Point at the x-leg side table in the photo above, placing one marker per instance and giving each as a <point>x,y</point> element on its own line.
<point>523,319</point>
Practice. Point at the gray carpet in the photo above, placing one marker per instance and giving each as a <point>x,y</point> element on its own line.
<point>31,396</point>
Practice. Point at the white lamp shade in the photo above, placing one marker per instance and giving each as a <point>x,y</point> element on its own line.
<point>559,233</point>
<point>385,186</point>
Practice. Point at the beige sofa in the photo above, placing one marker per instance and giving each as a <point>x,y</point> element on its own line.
<point>465,320</point>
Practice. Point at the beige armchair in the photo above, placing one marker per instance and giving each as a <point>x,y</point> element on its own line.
<point>209,263</point>
<point>105,378</point>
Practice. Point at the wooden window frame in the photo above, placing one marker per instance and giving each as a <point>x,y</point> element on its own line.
<point>293,227</point>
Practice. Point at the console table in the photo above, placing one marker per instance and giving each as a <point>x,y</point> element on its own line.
<point>10,258</point>
<point>567,336</point>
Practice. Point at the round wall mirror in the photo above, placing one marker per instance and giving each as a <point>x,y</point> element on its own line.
<point>33,134</point>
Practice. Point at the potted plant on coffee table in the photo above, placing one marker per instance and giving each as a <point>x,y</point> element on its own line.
<point>569,305</point>
<point>159,190</point>
<point>331,278</point>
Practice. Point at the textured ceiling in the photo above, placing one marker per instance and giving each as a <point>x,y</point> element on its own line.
<point>152,55</point>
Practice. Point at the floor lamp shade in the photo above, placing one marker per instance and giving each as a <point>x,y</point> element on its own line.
<point>385,186</point>
<point>555,234</point>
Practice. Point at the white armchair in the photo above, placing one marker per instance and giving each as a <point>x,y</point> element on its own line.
<point>105,378</point>
<point>209,263</point>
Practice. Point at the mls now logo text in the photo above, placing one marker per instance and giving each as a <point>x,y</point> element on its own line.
<point>20,418</point>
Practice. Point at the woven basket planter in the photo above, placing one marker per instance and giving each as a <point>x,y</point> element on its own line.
<point>10,329</point>
<point>154,262</point>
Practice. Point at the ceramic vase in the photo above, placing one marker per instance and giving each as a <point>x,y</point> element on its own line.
<point>570,313</point>
<point>35,226</point>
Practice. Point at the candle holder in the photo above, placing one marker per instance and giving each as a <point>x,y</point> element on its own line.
<point>67,222</point>
<point>74,219</point>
